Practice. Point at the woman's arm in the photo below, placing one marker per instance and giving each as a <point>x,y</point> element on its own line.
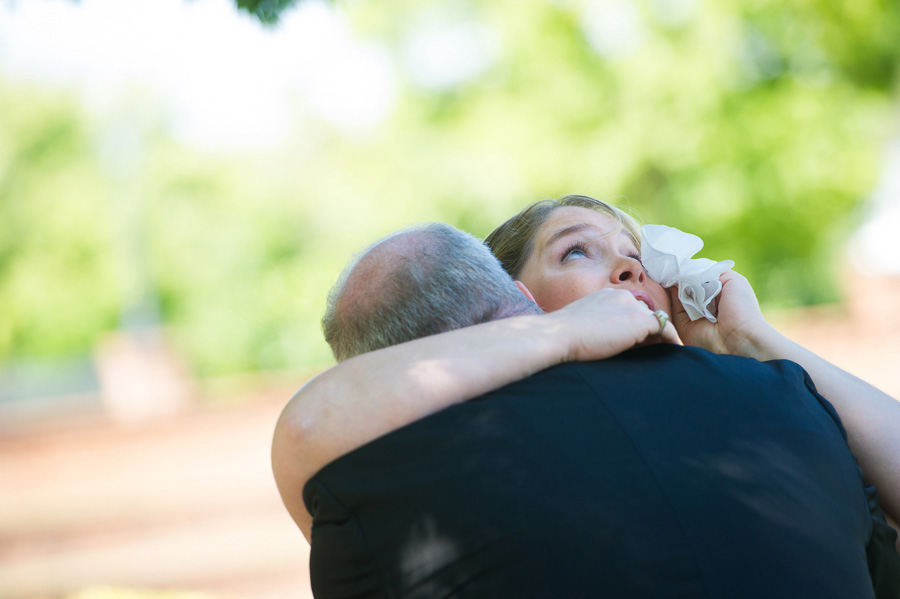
<point>870,416</point>
<point>372,394</point>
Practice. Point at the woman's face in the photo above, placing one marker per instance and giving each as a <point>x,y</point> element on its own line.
<point>578,251</point>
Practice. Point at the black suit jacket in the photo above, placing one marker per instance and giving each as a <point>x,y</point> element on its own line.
<point>666,472</point>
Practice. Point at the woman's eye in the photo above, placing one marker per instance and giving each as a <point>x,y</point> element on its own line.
<point>574,253</point>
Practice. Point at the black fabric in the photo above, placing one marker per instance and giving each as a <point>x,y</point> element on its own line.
<point>666,472</point>
<point>883,563</point>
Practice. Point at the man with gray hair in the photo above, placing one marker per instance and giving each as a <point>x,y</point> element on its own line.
<point>420,281</point>
<point>663,471</point>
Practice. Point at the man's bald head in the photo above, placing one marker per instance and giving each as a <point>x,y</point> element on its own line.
<point>417,282</point>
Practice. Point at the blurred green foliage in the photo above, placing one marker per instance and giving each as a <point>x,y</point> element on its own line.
<point>756,125</point>
<point>267,11</point>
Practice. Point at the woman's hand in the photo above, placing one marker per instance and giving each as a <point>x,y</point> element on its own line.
<point>607,323</point>
<point>739,321</point>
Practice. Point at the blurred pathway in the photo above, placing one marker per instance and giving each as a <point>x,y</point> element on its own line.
<point>184,503</point>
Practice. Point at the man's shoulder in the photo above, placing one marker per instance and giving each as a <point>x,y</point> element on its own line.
<point>658,377</point>
<point>667,363</point>
<point>658,364</point>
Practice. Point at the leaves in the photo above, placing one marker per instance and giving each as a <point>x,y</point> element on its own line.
<point>267,11</point>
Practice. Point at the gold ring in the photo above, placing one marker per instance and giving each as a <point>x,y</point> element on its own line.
<point>663,318</point>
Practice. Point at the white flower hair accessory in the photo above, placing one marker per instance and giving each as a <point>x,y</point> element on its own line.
<point>666,255</point>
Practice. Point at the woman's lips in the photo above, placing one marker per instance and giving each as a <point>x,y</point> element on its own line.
<point>643,297</point>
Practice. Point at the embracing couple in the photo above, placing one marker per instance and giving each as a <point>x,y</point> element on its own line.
<point>536,417</point>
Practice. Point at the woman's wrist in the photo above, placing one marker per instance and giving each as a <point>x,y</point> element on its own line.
<point>761,342</point>
<point>552,337</point>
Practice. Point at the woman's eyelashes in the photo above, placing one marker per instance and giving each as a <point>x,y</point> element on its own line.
<point>579,249</point>
<point>574,251</point>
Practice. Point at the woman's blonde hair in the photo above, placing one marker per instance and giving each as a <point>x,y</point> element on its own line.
<point>513,241</point>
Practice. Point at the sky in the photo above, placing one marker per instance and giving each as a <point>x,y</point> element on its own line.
<point>227,80</point>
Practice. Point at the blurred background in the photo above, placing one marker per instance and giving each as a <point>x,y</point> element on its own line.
<point>182,180</point>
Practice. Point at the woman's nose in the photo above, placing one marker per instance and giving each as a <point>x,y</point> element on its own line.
<point>628,269</point>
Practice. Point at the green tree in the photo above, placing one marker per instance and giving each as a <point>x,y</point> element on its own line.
<point>57,281</point>
<point>267,11</point>
<point>757,126</point>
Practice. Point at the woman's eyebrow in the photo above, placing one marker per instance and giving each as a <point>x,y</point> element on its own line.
<point>568,231</point>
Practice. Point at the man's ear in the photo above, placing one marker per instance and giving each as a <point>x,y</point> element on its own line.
<point>524,290</point>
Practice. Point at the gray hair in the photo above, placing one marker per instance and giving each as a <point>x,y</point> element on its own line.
<point>420,281</point>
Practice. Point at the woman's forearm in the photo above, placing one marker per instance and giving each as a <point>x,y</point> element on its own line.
<point>374,393</point>
<point>870,416</point>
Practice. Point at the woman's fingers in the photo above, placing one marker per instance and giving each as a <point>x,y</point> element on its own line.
<point>611,321</point>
